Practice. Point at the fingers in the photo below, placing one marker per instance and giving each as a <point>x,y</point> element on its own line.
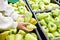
<point>27,30</point>
<point>22,16</point>
<point>25,24</point>
<point>22,26</point>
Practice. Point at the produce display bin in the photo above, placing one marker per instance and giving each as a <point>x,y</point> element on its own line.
<point>58,38</point>
<point>38,35</point>
<point>57,1</point>
<point>42,35</point>
<point>40,10</point>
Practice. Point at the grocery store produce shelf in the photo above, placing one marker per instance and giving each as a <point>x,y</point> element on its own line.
<point>48,12</point>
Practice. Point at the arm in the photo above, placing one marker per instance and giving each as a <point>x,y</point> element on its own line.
<point>3,4</point>
<point>7,22</point>
<point>9,11</point>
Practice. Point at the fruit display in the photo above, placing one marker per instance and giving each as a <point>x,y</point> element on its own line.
<point>50,23</point>
<point>42,5</point>
<point>20,35</point>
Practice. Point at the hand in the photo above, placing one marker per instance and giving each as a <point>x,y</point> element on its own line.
<point>22,26</point>
<point>22,16</point>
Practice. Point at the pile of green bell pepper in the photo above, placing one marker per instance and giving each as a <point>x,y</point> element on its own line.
<point>42,4</point>
<point>50,22</point>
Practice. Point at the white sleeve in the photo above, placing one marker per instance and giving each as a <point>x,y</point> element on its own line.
<point>6,23</point>
<point>3,4</point>
<point>11,13</point>
<point>14,15</point>
<point>15,24</point>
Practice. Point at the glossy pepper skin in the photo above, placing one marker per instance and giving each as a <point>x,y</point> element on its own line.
<point>56,34</point>
<point>22,32</point>
<point>43,23</point>
<point>59,30</point>
<point>28,17</point>
<point>49,18</point>
<point>50,35</point>
<point>55,13</point>
<point>30,37</point>
<point>52,27</point>
<point>31,27</point>
<point>58,21</point>
<point>41,16</point>
<point>19,37</point>
<point>46,2</point>
<point>45,28</point>
<point>4,34</point>
<point>33,21</point>
<point>10,37</point>
<point>20,19</point>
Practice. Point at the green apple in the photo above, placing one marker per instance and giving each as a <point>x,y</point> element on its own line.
<point>43,23</point>
<point>45,28</point>
<point>52,27</point>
